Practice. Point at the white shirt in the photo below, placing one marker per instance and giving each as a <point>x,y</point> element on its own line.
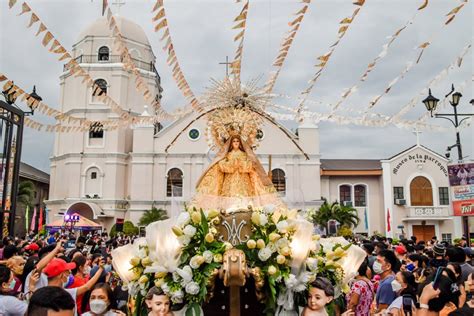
<point>11,306</point>
<point>42,282</point>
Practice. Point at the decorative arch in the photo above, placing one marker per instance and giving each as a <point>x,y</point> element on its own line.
<point>174,182</point>
<point>87,209</point>
<point>279,180</point>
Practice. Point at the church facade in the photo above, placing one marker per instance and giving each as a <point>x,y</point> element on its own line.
<point>107,175</point>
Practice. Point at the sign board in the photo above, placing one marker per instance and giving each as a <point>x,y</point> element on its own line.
<point>461,182</point>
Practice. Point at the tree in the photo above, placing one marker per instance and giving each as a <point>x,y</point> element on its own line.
<point>128,229</point>
<point>26,190</point>
<point>344,215</point>
<point>152,215</point>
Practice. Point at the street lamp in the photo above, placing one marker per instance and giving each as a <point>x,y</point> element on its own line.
<point>10,98</point>
<point>431,103</point>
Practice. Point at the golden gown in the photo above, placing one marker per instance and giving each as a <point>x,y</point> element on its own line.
<point>236,168</point>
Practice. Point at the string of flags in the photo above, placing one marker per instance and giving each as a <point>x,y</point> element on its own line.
<point>241,22</point>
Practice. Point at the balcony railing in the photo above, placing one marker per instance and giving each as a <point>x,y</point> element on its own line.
<point>428,211</point>
<point>94,59</point>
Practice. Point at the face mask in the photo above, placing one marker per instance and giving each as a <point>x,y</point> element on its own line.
<point>410,267</point>
<point>377,267</point>
<point>12,284</point>
<point>396,286</point>
<point>98,306</point>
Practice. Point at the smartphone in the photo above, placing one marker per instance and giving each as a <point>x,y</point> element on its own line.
<point>437,278</point>
<point>407,304</point>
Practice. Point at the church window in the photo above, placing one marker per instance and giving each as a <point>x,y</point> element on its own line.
<point>443,196</point>
<point>421,192</point>
<point>93,175</point>
<point>260,134</point>
<point>278,180</point>
<point>96,130</point>
<point>360,198</point>
<point>93,184</point>
<point>103,53</point>
<point>174,183</point>
<point>345,193</point>
<point>398,193</point>
<point>99,88</point>
<point>194,134</point>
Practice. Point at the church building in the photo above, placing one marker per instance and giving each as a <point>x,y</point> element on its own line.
<point>107,175</point>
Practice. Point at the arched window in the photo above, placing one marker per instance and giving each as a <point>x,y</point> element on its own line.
<point>174,182</point>
<point>99,88</point>
<point>421,192</point>
<point>278,180</point>
<point>103,53</point>
<point>345,193</point>
<point>360,197</point>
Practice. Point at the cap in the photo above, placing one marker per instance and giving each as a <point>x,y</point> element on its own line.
<point>468,252</point>
<point>33,247</point>
<point>439,249</point>
<point>400,250</point>
<point>57,266</point>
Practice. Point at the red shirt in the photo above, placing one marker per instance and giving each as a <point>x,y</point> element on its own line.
<point>78,282</point>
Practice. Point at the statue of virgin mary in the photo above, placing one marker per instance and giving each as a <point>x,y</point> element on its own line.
<point>235,178</point>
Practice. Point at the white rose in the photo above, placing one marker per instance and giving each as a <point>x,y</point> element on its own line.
<point>264,254</point>
<point>186,273</point>
<point>165,288</point>
<point>263,220</point>
<point>177,297</point>
<point>176,276</point>
<point>184,240</point>
<point>183,219</point>
<point>281,243</point>
<point>192,288</point>
<point>194,262</point>
<point>272,247</point>
<point>312,264</point>
<point>189,230</point>
<point>291,281</point>
<point>282,226</point>
<point>208,256</point>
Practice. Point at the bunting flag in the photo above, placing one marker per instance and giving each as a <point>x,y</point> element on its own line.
<point>380,56</point>
<point>440,76</point>
<point>285,46</point>
<point>161,24</point>
<point>323,60</point>
<point>40,220</point>
<point>27,211</point>
<point>33,220</point>
<point>389,227</point>
<point>241,21</point>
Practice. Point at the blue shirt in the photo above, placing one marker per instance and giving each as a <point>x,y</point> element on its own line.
<point>385,294</point>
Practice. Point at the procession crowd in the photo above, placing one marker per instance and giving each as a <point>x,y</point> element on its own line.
<point>62,275</point>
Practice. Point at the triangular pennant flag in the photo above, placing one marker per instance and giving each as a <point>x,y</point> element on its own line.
<point>159,15</point>
<point>297,20</point>
<point>302,11</point>
<point>2,77</point>
<point>161,25</point>
<point>166,34</point>
<point>24,8</point>
<point>455,10</point>
<point>11,3</point>
<point>359,2</point>
<point>450,19</point>
<point>54,45</point>
<point>343,28</point>
<point>238,36</point>
<point>241,17</point>
<point>240,25</point>
<point>167,45</point>
<point>424,45</point>
<point>346,21</point>
<point>34,18</point>
<point>60,50</point>
<point>47,38</point>
<point>65,56</point>
<point>158,4</point>
<point>41,29</point>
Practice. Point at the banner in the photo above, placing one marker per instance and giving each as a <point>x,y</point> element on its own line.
<point>461,183</point>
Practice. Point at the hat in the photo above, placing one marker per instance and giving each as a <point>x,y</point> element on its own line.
<point>400,250</point>
<point>468,252</point>
<point>439,249</point>
<point>33,247</point>
<point>58,266</point>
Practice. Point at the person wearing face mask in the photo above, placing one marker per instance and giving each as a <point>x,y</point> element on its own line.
<point>9,304</point>
<point>80,279</point>
<point>16,264</point>
<point>385,266</point>
<point>405,286</point>
<point>362,291</point>
<point>58,272</point>
<point>158,302</point>
<point>102,302</point>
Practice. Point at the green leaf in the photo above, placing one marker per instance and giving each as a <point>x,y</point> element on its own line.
<point>204,224</point>
<point>193,310</point>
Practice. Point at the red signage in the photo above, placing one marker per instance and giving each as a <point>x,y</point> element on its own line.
<point>463,208</point>
<point>461,181</point>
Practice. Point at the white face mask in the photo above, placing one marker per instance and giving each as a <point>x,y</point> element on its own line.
<point>396,286</point>
<point>377,267</point>
<point>98,306</point>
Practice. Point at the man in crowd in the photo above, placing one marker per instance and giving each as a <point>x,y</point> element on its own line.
<point>385,266</point>
<point>51,301</point>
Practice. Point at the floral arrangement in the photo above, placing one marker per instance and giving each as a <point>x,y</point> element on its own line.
<point>270,251</point>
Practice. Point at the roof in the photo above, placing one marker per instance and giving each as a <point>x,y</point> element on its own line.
<point>351,164</point>
<point>413,147</point>
<point>31,173</point>
<point>129,29</point>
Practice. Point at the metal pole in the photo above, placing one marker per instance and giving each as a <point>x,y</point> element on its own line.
<point>16,172</point>
<point>458,138</point>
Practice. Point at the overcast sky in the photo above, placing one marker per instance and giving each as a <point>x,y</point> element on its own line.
<point>202,34</point>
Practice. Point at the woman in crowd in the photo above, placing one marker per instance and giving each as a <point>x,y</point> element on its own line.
<point>362,291</point>
<point>102,302</point>
<point>405,287</point>
<point>10,305</point>
<point>80,278</point>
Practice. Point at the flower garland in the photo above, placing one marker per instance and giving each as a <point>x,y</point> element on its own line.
<point>269,252</point>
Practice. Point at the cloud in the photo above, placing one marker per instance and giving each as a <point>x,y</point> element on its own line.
<point>202,34</point>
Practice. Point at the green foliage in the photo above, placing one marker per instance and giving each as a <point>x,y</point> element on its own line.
<point>152,215</point>
<point>395,241</point>
<point>128,229</point>
<point>345,232</point>
<point>26,190</point>
<point>344,215</point>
